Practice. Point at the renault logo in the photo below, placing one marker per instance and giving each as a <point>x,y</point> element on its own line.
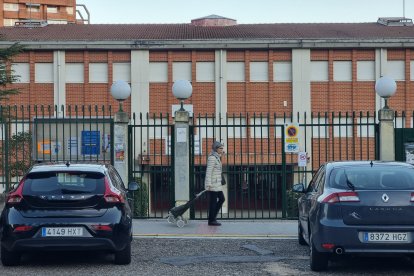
<point>385,198</point>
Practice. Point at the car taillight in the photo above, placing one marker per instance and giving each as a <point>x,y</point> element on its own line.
<point>98,227</point>
<point>16,196</point>
<point>412,197</point>
<point>341,197</point>
<point>23,228</point>
<point>112,195</point>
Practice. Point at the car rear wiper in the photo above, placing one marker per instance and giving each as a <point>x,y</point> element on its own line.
<point>69,191</point>
<point>349,183</point>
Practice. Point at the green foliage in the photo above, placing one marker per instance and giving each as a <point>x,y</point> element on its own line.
<point>140,199</point>
<point>292,204</point>
<point>7,75</point>
<point>19,156</point>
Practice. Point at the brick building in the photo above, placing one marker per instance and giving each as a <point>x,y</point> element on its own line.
<point>238,69</point>
<point>50,11</point>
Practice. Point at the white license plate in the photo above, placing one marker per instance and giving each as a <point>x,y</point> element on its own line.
<point>62,231</point>
<point>386,237</point>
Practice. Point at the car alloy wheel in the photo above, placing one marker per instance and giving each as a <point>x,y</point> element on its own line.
<point>318,260</point>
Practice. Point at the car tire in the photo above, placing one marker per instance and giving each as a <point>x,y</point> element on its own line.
<point>318,260</point>
<point>9,258</point>
<point>123,257</point>
<point>301,240</point>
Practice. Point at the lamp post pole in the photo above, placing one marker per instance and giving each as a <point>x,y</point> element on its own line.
<point>182,90</point>
<point>121,90</point>
<point>386,87</point>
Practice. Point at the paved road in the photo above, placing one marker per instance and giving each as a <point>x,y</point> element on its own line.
<point>181,256</point>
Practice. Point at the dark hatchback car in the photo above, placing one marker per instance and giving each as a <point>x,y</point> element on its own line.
<point>358,207</point>
<point>67,207</point>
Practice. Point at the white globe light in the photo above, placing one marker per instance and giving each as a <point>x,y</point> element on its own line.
<point>182,89</point>
<point>120,90</point>
<point>385,87</point>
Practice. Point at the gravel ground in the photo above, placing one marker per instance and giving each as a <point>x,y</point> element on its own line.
<point>231,257</point>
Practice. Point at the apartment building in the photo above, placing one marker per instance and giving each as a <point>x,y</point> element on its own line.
<point>50,11</point>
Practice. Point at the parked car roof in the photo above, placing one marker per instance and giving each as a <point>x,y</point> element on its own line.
<point>78,166</point>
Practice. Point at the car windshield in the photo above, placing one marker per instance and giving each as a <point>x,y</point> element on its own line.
<point>44,183</point>
<point>377,177</point>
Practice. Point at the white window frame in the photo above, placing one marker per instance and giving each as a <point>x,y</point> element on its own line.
<point>316,68</point>
<point>282,71</point>
<point>205,71</point>
<point>365,70</point>
<point>344,130</point>
<point>22,69</point>
<point>236,71</point>
<point>259,127</point>
<point>342,70</point>
<point>69,10</point>
<point>10,6</point>
<point>52,9</point>
<point>156,131</point>
<point>75,73</point>
<point>236,127</point>
<point>98,72</point>
<point>158,72</point>
<point>259,71</point>
<point>44,73</point>
<point>365,127</point>
<point>205,128</point>
<point>182,71</point>
<point>396,69</point>
<point>121,71</point>
<point>320,129</point>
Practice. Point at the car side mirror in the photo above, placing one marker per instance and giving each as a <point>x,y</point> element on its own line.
<point>298,188</point>
<point>133,186</point>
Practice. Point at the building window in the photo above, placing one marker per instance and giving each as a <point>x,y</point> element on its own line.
<point>235,72</point>
<point>10,7</point>
<point>205,127</point>
<point>69,10</point>
<point>342,127</point>
<point>365,70</point>
<point>98,72</point>
<point>319,71</point>
<point>259,71</point>
<point>158,128</point>
<point>342,70</point>
<point>282,71</point>
<point>33,7</point>
<point>44,72</point>
<point>279,122</point>
<point>205,72</point>
<point>122,71</point>
<point>9,22</point>
<point>236,128</point>
<point>52,9</point>
<point>182,71</point>
<point>23,71</point>
<point>61,22</point>
<point>158,72</point>
<point>396,69</point>
<point>320,128</point>
<point>74,73</point>
<point>259,127</point>
<point>365,127</point>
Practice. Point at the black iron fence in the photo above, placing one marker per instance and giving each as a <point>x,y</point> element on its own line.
<point>259,167</point>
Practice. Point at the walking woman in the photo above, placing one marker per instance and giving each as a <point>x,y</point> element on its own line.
<point>213,183</point>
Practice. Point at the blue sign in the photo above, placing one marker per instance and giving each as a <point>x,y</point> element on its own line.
<point>91,142</point>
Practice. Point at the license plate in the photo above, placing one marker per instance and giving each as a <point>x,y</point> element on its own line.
<point>62,231</point>
<point>386,237</point>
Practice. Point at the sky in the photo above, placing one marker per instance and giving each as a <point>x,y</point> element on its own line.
<point>245,11</point>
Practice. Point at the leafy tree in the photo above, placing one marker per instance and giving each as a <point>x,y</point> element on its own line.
<point>7,75</point>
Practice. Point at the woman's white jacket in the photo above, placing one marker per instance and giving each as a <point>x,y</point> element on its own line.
<point>213,173</point>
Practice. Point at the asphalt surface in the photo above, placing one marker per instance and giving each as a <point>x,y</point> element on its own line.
<point>189,256</point>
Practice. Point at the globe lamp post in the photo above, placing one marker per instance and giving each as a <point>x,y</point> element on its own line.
<point>182,90</point>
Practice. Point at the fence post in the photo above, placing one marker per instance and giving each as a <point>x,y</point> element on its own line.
<point>386,124</point>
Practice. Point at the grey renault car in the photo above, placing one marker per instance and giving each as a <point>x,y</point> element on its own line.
<point>61,207</point>
<point>357,207</point>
